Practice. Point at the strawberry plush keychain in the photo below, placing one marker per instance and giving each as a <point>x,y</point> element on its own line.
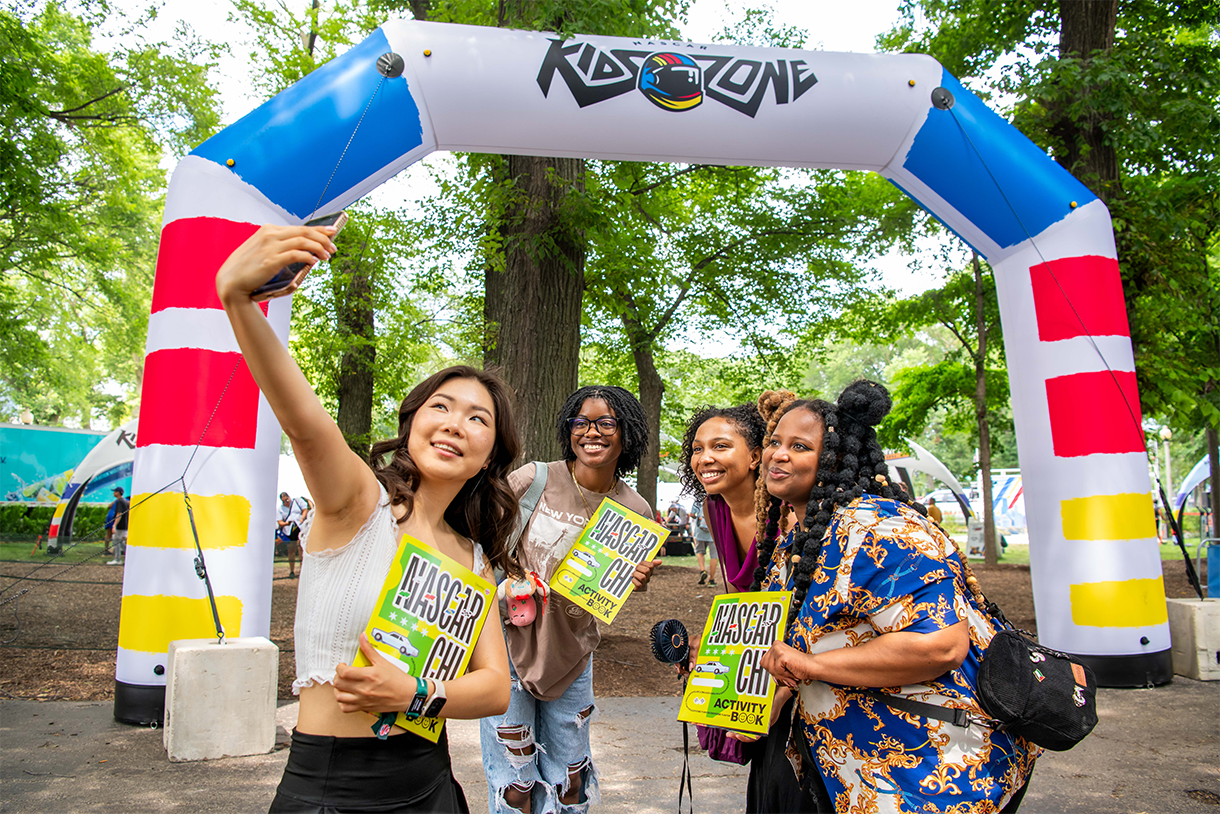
<point>519,594</point>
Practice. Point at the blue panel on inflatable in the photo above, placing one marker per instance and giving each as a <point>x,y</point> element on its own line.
<point>1035,186</point>
<point>289,147</point>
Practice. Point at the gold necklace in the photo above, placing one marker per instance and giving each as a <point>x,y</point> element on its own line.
<point>581,492</point>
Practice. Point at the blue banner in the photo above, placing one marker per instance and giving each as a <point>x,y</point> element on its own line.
<point>36,465</point>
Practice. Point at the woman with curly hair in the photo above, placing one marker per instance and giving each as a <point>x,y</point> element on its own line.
<point>537,755</point>
<point>885,611</point>
<point>721,454</point>
<point>443,481</point>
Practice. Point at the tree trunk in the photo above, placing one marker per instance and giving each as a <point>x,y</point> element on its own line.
<point>990,554</point>
<point>652,389</point>
<point>532,308</point>
<point>1213,461</point>
<point>1086,27</point>
<point>353,288</point>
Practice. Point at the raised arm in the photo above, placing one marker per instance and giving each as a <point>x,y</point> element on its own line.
<point>341,483</point>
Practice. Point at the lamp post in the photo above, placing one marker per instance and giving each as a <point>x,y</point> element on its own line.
<point>26,416</point>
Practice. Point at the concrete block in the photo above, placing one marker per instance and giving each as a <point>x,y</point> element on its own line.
<point>220,698</point>
<point>1194,629</point>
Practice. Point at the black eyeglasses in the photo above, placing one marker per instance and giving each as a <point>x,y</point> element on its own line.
<point>605,425</point>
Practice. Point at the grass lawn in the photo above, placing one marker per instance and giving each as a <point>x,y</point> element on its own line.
<point>24,552</point>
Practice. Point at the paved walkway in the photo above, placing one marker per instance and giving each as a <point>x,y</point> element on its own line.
<point>1155,751</point>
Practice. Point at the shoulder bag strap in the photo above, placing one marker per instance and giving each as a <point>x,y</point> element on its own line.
<point>527,505</point>
<point>957,717</point>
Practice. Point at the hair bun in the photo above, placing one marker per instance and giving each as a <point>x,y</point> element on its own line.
<point>773,400</point>
<point>866,402</point>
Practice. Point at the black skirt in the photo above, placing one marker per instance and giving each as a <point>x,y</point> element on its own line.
<point>403,773</point>
<point>773,787</point>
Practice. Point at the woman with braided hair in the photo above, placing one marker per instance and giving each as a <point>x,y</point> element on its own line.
<point>885,612</point>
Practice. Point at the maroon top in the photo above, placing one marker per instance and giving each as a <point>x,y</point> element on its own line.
<point>739,574</point>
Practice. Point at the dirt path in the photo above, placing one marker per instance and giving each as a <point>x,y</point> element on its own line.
<point>59,639</point>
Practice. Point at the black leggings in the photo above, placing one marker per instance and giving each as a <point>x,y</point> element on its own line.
<point>404,773</point>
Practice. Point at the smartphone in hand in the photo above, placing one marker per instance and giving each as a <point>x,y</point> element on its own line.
<point>288,273</point>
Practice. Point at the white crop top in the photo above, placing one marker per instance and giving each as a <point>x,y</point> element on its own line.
<point>338,592</point>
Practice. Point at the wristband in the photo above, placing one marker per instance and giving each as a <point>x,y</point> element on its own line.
<point>417,703</point>
<point>436,701</point>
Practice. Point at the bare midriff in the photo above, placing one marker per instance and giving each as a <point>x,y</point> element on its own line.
<point>320,715</point>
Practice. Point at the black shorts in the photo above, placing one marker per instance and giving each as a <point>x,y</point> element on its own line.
<point>403,773</point>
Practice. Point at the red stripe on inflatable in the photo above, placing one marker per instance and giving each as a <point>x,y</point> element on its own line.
<point>182,388</point>
<point>192,251</point>
<point>1079,296</point>
<point>1090,414</point>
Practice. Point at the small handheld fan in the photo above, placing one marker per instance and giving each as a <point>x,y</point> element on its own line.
<point>670,643</point>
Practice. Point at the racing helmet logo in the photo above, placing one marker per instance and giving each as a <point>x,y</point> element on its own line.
<point>672,81</point>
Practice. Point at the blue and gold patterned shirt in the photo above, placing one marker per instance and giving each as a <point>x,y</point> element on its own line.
<point>884,568</point>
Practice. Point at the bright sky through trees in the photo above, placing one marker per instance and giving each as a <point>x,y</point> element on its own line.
<point>831,25</point>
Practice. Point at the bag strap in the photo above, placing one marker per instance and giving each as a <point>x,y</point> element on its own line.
<point>684,784</point>
<point>957,717</point>
<point>527,505</point>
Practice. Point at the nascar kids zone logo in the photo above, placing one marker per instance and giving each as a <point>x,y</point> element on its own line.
<point>672,80</point>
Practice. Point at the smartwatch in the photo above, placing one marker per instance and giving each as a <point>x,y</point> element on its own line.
<point>417,703</point>
<point>436,701</point>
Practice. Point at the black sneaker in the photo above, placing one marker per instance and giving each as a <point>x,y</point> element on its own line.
<point>702,577</point>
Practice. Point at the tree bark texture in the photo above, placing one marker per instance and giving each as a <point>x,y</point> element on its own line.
<point>531,309</point>
<point>1086,27</point>
<point>652,389</point>
<point>990,552</point>
<point>353,290</point>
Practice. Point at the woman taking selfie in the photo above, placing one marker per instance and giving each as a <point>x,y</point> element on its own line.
<point>443,482</point>
<point>884,607</point>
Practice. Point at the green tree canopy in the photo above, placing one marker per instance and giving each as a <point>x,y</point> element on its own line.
<point>82,135</point>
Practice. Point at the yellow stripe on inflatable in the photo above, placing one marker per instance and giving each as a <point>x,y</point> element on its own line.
<point>1108,517</point>
<point>1125,603</point>
<point>161,521</point>
<point>60,508</point>
<point>150,623</point>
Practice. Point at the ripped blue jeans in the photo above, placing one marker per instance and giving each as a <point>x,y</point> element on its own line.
<point>537,747</point>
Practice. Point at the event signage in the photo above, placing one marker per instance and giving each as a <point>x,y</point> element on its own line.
<point>728,687</point>
<point>37,465</point>
<point>596,574</point>
<point>412,88</point>
<point>673,76</point>
<point>427,620</point>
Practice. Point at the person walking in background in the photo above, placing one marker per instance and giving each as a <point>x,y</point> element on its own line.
<point>934,512</point>
<point>293,512</point>
<point>117,526</point>
<point>703,544</point>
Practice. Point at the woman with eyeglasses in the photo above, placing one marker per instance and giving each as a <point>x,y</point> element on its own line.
<point>536,755</point>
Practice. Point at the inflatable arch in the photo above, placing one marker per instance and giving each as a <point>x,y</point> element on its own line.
<point>347,127</point>
<point>108,462</point>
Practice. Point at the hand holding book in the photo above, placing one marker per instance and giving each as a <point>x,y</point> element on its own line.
<point>380,687</point>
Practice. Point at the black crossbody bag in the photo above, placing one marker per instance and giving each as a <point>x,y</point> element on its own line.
<point>1027,689</point>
